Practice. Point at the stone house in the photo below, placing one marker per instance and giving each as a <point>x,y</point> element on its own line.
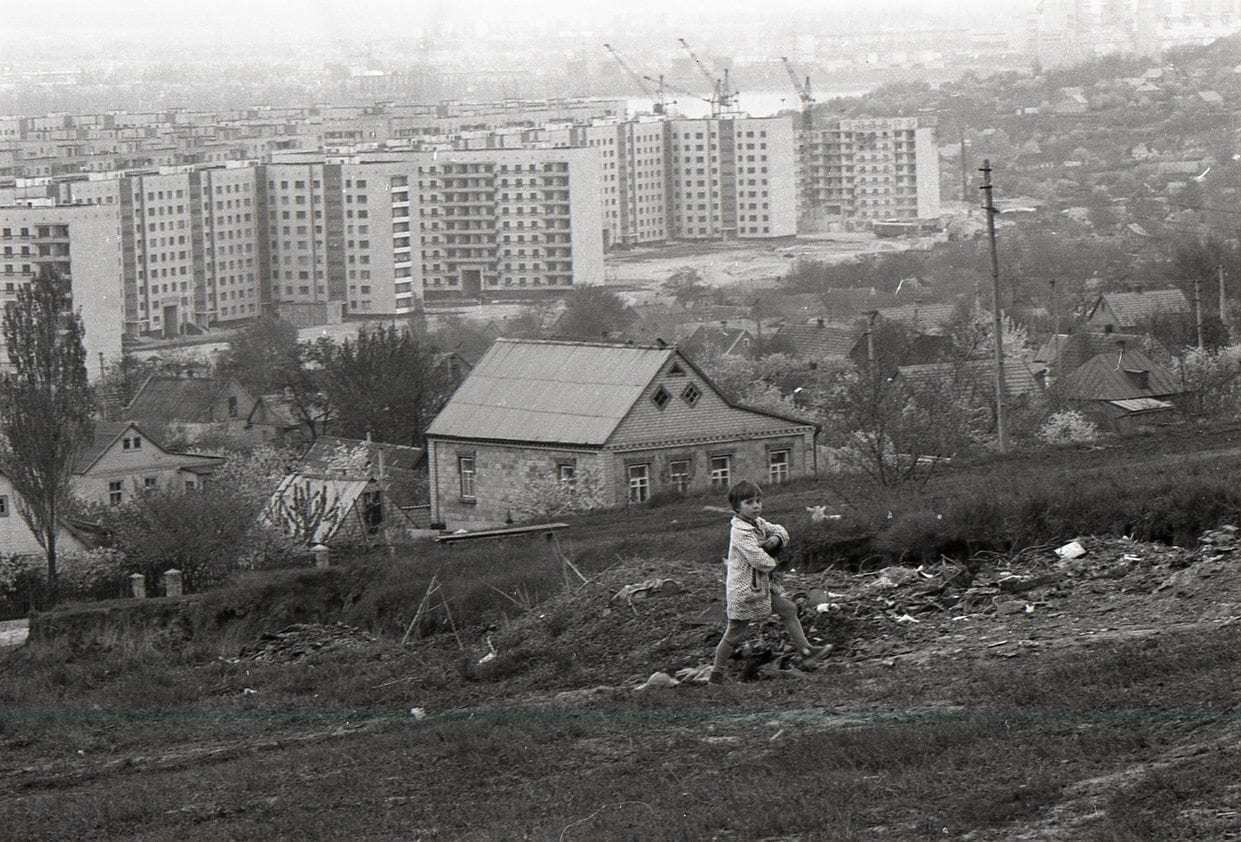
<point>620,423</point>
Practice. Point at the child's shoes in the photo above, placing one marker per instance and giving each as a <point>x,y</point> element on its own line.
<point>814,654</point>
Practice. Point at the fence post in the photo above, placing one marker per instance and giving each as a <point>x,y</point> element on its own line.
<point>138,584</point>
<point>173,582</point>
<point>321,554</point>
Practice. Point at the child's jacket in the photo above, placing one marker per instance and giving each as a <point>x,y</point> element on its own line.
<point>748,587</point>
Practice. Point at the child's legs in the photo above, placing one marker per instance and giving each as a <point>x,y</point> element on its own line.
<point>787,611</point>
<point>733,635</point>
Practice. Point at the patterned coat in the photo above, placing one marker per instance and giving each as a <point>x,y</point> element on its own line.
<point>749,584</point>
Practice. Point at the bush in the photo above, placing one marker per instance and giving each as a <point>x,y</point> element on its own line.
<point>1068,427</point>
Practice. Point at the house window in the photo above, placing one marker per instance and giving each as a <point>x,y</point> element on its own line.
<point>721,471</point>
<point>639,483</point>
<point>4,505</point>
<point>149,482</point>
<point>566,472</point>
<point>115,493</point>
<point>134,443</point>
<point>465,473</point>
<point>777,466</point>
<point>232,406</point>
<point>661,397</point>
<point>690,394</point>
<point>678,474</point>
<point>190,484</point>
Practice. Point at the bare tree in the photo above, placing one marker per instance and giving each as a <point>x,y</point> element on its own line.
<point>46,406</point>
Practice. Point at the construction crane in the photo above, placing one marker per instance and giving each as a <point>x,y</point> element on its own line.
<point>657,96</point>
<point>723,97</point>
<point>663,86</point>
<point>803,93</point>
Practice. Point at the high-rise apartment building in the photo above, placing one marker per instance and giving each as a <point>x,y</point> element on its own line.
<point>83,244</point>
<point>870,169</point>
<point>191,250</point>
<point>708,179</point>
<point>402,226</point>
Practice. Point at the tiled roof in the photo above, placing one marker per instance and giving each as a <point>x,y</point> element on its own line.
<point>1133,308</point>
<point>549,391</point>
<point>928,318</point>
<point>820,341</point>
<point>1118,375</point>
<point>1064,352</point>
<point>163,399</point>
<point>1017,377</point>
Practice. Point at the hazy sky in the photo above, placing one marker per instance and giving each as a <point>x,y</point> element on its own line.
<point>377,19</point>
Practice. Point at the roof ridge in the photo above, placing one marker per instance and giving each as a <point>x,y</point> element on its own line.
<point>588,343</point>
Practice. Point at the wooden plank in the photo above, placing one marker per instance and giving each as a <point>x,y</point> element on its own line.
<point>508,532</point>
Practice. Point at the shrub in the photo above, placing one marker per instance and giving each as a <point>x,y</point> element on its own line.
<point>1068,427</point>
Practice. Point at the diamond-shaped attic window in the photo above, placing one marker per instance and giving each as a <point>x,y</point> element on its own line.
<point>661,397</point>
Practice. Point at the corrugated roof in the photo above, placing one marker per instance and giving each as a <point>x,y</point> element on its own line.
<point>1115,376</point>
<point>549,391</point>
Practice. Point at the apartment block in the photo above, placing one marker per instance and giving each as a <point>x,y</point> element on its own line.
<point>191,250</point>
<point>402,226</point>
<point>732,178</point>
<point>870,169</point>
<point>82,244</point>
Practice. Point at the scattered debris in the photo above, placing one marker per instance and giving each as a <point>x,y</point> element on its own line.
<point>300,640</point>
<point>1071,550</point>
<point>650,587</point>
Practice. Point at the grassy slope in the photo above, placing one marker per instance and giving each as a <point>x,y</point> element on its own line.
<point>1129,740</point>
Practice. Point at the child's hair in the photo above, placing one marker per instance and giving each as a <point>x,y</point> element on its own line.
<point>743,490</point>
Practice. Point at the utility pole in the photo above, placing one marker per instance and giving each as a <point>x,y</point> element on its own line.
<point>1223,303</point>
<point>965,178</point>
<point>1001,426</point>
<point>1198,309</point>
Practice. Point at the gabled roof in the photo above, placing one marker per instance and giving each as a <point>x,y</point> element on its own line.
<point>550,391</point>
<point>1123,374</point>
<point>1017,377</point>
<point>727,340</point>
<point>1066,351</point>
<point>163,399</point>
<point>1133,308</point>
<point>319,457</point>
<point>928,318</point>
<point>820,341</point>
<point>277,409</point>
<point>108,432</point>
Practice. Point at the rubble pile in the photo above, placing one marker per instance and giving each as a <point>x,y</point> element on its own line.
<point>295,642</point>
<point>853,611</point>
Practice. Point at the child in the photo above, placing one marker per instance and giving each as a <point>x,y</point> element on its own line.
<point>752,592</point>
